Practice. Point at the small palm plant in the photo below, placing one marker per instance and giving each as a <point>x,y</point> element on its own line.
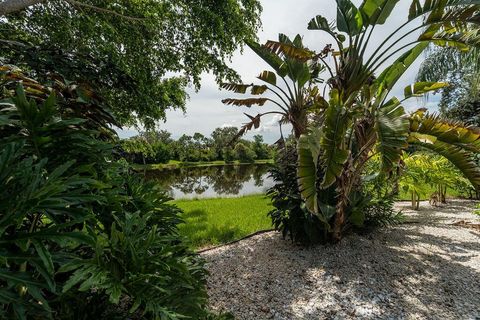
<point>292,84</point>
<point>360,119</point>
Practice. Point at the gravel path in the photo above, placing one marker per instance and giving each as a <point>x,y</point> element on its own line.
<point>425,270</point>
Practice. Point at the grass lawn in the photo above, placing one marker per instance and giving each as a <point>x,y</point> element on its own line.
<point>215,221</point>
<point>210,222</point>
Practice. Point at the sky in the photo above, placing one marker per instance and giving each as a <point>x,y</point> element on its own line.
<point>205,111</point>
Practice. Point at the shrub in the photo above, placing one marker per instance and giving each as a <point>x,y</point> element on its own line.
<point>290,216</point>
<point>371,206</point>
<point>80,238</point>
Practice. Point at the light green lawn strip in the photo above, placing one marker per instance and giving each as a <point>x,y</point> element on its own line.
<point>210,222</point>
<point>172,164</point>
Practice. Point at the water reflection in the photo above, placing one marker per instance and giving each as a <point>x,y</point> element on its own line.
<point>208,182</point>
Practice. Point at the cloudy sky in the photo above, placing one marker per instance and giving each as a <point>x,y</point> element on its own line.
<point>205,110</point>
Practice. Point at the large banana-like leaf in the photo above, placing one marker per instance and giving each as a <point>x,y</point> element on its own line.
<point>349,18</point>
<point>321,23</point>
<point>377,11</point>
<point>269,57</point>
<point>308,155</point>
<point>392,129</point>
<point>389,77</point>
<point>421,88</point>
<point>334,153</point>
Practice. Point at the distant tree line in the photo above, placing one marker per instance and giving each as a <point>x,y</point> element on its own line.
<point>159,147</point>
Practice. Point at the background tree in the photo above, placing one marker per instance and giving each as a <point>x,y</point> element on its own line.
<point>243,153</point>
<point>140,56</point>
<point>261,149</point>
<point>461,99</point>
<point>222,137</point>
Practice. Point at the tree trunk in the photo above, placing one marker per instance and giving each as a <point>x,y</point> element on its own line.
<point>11,6</point>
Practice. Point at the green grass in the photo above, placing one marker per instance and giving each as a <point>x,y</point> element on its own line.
<point>211,222</point>
<point>172,164</point>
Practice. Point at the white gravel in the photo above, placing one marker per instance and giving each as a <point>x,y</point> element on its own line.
<point>424,270</point>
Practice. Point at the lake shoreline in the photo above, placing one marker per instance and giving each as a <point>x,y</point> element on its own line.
<point>180,164</point>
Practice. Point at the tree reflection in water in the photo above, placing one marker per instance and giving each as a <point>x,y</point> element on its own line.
<point>229,180</point>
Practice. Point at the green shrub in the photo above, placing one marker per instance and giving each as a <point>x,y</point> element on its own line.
<point>290,216</point>
<point>80,238</point>
<point>370,207</point>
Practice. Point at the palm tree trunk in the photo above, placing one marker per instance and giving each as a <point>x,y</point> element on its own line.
<point>339,221</point>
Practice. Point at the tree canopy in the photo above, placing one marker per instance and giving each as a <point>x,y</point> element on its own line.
<point>461,99</point>
<point>139,55</point>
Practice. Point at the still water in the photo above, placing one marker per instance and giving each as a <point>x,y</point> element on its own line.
<point>216,181</point>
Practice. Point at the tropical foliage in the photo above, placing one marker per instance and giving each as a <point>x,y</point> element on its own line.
<point>80,238</point>
<point>292,84</point>
<point>359,119</point>
<point>424,172</point>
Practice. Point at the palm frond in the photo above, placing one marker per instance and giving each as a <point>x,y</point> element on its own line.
<point>242,88</point>
<point>245,102</point>
<point>392,132</point>
<point>289,50</point>
<point>451,139</point>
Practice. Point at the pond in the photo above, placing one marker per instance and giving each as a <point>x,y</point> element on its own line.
<point>214,181</point>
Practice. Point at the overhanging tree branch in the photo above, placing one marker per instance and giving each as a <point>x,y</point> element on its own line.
<point>12,6</point>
